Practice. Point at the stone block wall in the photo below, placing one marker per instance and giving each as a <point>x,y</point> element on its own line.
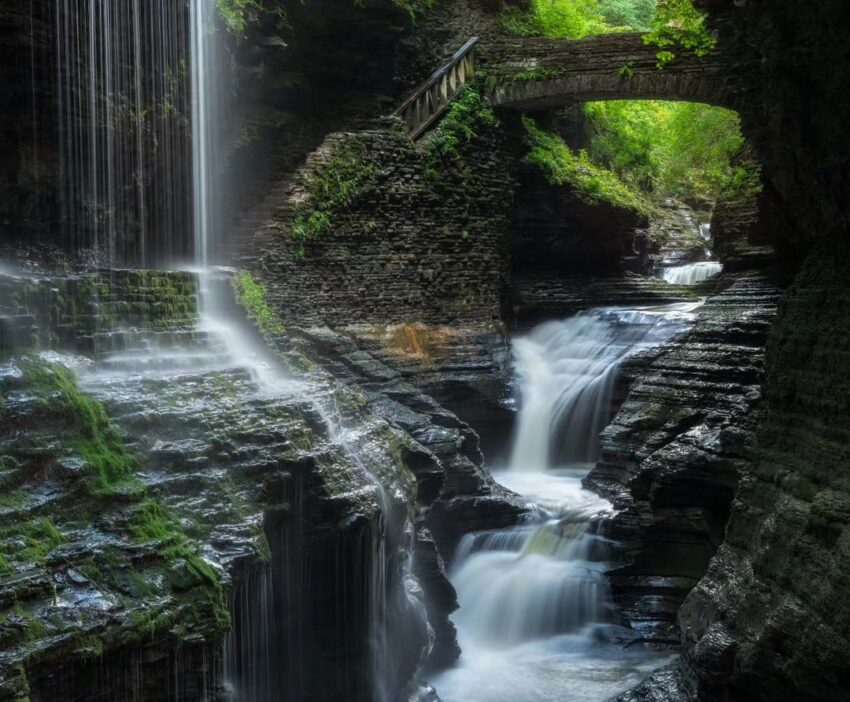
<point>415,245</point>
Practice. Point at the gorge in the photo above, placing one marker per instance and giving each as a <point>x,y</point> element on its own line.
<point>420,350</point>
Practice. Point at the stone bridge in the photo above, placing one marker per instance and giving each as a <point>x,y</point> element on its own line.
<point>539,73</point>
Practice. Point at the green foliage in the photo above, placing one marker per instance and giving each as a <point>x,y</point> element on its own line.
<point>413,7</point>
<point>574,19</point>
<point>592,183</point>
<point>677,23</point>
<point>568,19</point>
<point>235,14</point>
<point>466,115</point>
<point>669,23</point>
<point>635,15</point>
<point>107,460</point>
<point>334,186</point>
<point>252,296</point>
<point>670,149</point>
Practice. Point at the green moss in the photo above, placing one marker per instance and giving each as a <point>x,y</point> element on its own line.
<point>12,500</point>
<point>592,183</point>
<point>187,571</point>
<point>152,522</point>
<point>34,628</point>
<point>109,464</point>
<point>334,186</point>
<point>251,295</point>
<point>173,571</point>
<point>28,543</point>
<point>88,647</point>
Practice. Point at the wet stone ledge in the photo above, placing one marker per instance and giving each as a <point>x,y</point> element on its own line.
<point>674,453</point>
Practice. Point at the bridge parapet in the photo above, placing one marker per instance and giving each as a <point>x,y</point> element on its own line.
<point>538,73</point>
<point>428,102</point>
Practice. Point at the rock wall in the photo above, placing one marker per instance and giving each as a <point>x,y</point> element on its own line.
<point>412,246</point>
<point>222,490</point>
<point>795,112</point>
<point>673,454</point>
<point>743,231</point>
<point>554,231</point>
<point>771,619</point>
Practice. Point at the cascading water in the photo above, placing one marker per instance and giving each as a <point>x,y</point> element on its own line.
<point>535,622</point>
<point>207,58</point>
<point>122,98</point>
<point>566,371</point>
<point>140,100</point>
<point>692,273</point>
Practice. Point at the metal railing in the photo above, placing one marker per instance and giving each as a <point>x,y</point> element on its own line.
<point>430,99</point>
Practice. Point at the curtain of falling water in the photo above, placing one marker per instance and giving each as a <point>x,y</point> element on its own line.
<point>122,106</point>
<point>207,74</point>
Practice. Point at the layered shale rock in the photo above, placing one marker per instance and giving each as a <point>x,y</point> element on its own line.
<point>538,296</point>
<point>675,230</point>
<point>455,492</point>
<point>673,454</point>
<point>770,619</point>
<point>553,227</point>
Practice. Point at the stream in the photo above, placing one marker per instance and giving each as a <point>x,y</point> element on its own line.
<point>536,621</point>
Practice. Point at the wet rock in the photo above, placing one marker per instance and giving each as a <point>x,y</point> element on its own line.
<point>769,620</point>
<point>538,297</point>
<point>673,454</point>
<point>675,230</point>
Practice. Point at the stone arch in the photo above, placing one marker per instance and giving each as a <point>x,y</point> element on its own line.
<point>540,73</point>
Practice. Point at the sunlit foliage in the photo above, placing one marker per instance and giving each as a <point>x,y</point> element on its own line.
<point>671,25</point>
<point>684,150</point>
<point>591,182</point>
<point>678,24</point>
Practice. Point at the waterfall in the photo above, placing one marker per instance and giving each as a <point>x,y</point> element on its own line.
<point>121,100</point>
<point>566,372</point>
<point>692,273</point>
<point>535,622</point>
<point>207,77</point>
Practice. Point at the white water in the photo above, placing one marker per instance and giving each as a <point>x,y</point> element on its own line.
<point>206,123</point>
<point>566,371</point>
<point>535,622</point>
<point>122,145</point>
<point>692,273</point>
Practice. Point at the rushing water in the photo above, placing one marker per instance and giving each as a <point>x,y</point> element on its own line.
<point>566,372</point>
<point>535,621</point>
<point>692,273</point>
<point>123,96</point>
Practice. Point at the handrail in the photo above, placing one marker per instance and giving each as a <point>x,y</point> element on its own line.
<point>430,99</point>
